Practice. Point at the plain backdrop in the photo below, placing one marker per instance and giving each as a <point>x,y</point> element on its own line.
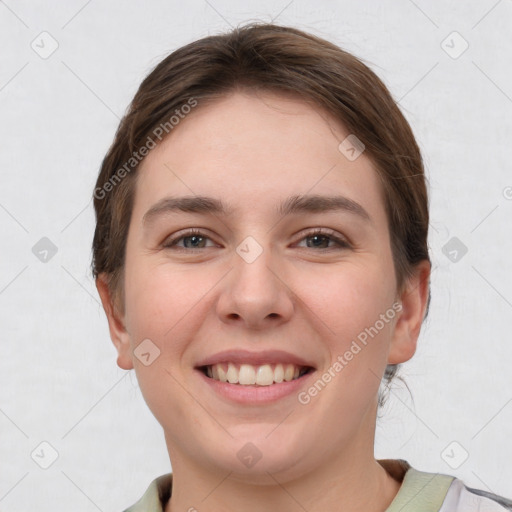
<point>447,64</point>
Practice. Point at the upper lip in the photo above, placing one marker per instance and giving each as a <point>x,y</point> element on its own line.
<point>254,358</point>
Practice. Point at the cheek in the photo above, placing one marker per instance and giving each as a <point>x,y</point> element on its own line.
<point>159,301</point>
<point>348,307</point>
<point>348,300</point>
<point>161,306</point>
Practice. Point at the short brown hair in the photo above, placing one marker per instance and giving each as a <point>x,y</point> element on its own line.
<point>278,59</point>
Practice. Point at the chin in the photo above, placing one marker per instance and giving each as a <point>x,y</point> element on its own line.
<point>255,458</point>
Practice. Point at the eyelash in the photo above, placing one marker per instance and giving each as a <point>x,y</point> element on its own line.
<point>340,242</point>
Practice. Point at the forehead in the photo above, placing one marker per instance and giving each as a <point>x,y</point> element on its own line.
<point>255,151</point>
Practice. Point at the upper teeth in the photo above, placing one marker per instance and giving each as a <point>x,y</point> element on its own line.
<point>247,374</point>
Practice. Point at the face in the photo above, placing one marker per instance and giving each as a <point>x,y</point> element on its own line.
<point>258,250</point>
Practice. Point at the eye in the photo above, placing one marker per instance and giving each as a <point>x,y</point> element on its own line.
<point>320,239</point>
<point>192,239</point>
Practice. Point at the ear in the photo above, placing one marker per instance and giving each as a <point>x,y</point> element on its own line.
<point>116,325</point>
<point>414,299</point>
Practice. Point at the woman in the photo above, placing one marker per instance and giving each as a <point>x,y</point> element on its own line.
<point>261,255</point>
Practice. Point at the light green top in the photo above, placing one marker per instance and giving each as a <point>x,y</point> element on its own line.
<point>419,492</point>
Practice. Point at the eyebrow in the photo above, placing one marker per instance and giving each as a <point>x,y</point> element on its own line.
<point>292,205</point>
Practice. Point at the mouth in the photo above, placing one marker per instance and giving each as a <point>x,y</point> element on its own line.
<point>249,378</point>
<point>245,374</point>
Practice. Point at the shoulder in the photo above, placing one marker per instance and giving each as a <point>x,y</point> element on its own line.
<point>460,497</point>
<point>436,492</point>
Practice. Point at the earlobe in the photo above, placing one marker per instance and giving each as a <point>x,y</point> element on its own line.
<point>118,333</point>
<point>414,299</point>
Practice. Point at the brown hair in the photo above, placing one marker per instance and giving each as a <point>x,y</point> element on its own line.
<point>279,59</point>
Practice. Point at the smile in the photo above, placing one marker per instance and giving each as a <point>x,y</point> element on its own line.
<point>255,375</point>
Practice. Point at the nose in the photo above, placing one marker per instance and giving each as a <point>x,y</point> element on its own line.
<point>255,293</point>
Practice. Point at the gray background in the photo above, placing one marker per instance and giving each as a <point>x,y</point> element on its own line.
<point>59,380</point>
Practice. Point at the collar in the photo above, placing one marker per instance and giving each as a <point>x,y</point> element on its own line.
<point>419,492</point>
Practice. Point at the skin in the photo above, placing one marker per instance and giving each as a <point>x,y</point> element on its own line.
<point>252,152</point>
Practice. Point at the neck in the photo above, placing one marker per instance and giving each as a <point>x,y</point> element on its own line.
<point>350,481</point>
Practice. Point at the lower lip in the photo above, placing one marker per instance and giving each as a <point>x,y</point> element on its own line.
<point>256,394</point>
